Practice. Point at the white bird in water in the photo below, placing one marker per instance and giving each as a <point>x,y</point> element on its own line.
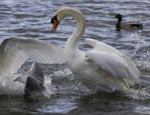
<point>103,68</point>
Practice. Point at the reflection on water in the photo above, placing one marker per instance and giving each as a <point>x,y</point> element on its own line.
<point>31,19</point>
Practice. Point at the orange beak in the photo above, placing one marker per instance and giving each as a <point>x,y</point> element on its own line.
<point>55,25</point>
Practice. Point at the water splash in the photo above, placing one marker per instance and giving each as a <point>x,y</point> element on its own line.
<point>137,41</point>
<point>9,87</point>
<point>140,53</point>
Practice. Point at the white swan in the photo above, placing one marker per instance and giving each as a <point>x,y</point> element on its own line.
<point>14,52</point>
<point>103,68</point>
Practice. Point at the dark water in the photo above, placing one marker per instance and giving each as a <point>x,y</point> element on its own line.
<point>31,19</point>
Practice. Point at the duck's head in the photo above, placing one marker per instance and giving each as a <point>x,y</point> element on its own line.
<point>119,17</point>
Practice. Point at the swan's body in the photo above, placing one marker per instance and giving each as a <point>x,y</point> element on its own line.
<point>14,52</point>
<point>103,68</point>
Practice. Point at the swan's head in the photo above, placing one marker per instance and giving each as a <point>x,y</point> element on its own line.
<point>55,23</point>
<point>61,13</point>
<point>58,16</point>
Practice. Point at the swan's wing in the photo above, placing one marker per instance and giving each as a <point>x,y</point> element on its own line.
<point>100,46</point>
<point>15,51</point>
<point>115,65</point>
<point>91,42</point>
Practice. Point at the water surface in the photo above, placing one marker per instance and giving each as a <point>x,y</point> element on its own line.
<point>31,19</point>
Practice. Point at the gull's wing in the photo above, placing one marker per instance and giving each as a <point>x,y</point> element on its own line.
<point>115,65</point>
<point>14,52</point>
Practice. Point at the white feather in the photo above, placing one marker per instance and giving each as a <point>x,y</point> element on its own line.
<point>114,61</point>
<point>14,52</point>
<point>115,65</point>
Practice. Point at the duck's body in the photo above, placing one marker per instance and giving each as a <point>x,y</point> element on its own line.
<point>103,68</point>
<point>122,25</point>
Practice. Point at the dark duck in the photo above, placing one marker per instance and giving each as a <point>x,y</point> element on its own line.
<point>120,25</point>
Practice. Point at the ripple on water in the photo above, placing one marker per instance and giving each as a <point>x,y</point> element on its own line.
<point>31,19</point>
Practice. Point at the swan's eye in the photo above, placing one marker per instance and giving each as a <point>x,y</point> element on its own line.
<point>54,19</point>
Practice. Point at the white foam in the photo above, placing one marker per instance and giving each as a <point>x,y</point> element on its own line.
<point>8,86</point>
<point>65,72</point>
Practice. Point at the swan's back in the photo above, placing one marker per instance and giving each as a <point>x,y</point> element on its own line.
<point>100,46</point>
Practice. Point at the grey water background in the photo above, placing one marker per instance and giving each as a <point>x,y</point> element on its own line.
<point>31,19</point>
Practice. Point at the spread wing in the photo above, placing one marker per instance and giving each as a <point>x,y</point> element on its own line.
<point>100,46</point>
<point>14,52</point>
<point>115,65</point>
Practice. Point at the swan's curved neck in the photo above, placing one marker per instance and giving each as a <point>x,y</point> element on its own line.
<point>73,40</point>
